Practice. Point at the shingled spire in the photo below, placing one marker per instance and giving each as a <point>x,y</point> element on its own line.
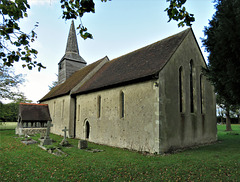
<point>72,46</point>
<point>71,61</point>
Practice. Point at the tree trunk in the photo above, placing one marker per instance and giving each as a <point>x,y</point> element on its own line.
<point>238,119</point>
<point>221,119</point>
<point>228,122</point>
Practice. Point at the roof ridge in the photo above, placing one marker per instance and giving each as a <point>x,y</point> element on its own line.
<point>139,49</point>
<point>102,62</point>
<point>185,31</point>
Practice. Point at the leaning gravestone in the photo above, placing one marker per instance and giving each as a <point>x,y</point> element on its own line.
<point>46,140</point>
<point>64,142</point>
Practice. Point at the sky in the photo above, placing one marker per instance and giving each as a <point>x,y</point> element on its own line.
<point>118,27</point>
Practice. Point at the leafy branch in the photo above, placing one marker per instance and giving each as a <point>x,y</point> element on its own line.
<point>176,11</point>
<point>14,43</point>
<point>72,9</point>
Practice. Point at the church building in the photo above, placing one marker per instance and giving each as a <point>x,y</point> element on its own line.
<point>154,99</point>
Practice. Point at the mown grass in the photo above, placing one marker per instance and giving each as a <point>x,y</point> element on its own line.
<point>217,162</point>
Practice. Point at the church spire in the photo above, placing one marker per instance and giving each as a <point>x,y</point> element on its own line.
<point>72,46</point>
<point>72,52</point>
<point>71,61</point>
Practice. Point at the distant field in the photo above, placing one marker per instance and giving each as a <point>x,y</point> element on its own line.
<point>217,162</point>
<point>7,125</point>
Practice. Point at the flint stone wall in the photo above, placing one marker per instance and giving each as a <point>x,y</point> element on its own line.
<point>30,131</point>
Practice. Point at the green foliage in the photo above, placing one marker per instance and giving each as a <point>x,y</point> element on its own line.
<point>176,11</point>
<point>8,112</point>
<point>223,44</point>
<point>217,162</point>
<point>14,43</point>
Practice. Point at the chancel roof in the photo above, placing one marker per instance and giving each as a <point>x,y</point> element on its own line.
<point>137,65</point>
<point>34,112</point>
<point>66,87</point>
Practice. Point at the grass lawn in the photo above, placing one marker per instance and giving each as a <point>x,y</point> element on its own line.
<point>217,162</point>
<point>8,125</point>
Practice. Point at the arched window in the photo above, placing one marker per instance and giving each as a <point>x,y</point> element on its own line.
<point>122,104</point>
<point>99,106</point>
<point>54,108</point>
<point>79,112</point>
<point>181,99</point>
<point>87,130</point>
<point>63,108</point>
<point>191,88</point>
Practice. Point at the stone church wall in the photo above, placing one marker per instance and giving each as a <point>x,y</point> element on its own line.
<point>60,113</point>
<point>174,111</point>
<point>137,128</point>
<point>186,128</point>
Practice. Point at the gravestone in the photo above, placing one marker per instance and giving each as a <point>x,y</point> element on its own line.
<point>64,142</point>
<point>47,140</point>
<point>82,144</point>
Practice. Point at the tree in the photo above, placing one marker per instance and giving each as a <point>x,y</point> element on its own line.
<point>15,44</point>
<point>226,108</point>
<point>230,111</point>
<point>223,44</point>
<point>8,112</point>
<point>9,83</point>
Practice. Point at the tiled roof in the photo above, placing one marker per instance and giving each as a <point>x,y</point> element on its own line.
<point>136,65</point>
<point>71,82</point>
<point>34,112</point>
